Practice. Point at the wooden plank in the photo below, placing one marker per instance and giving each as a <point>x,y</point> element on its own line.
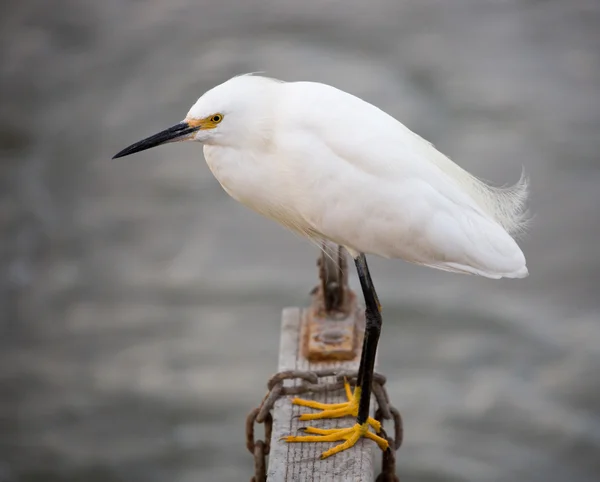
<point>301,461</point>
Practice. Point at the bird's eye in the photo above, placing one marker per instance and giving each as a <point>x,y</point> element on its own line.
<point>215,119</point>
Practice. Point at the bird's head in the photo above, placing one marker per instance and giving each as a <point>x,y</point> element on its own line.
<point>230,114</point>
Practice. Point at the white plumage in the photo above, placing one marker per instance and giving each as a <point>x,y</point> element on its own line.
<point>327,164</point>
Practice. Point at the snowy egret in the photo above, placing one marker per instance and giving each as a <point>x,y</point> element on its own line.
<point>329,165</point>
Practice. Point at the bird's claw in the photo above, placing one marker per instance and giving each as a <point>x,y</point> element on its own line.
<point>336,410</point>
<point>349,436</point>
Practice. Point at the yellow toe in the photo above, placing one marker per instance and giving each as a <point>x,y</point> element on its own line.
<point>318,405</point>
<point>349,436</point>
<point>336,410</point>
<point>344,411</point>
<point>322,431</point>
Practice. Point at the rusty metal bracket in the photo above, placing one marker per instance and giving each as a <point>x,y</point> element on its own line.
<point>332,325</point>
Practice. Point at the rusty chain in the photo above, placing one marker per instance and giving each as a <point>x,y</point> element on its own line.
<point>259,448</point>
<point>310,384</point>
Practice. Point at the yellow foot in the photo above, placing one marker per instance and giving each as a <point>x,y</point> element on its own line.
<point>349,435</point>
<point>336,410</point>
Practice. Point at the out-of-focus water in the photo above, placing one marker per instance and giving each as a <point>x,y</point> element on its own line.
<point>141,305</point>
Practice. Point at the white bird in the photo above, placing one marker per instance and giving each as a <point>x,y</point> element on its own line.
<point>329,165</point>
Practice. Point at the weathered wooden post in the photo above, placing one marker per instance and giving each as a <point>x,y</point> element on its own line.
<point>325,336</point>
<point>320,346</point>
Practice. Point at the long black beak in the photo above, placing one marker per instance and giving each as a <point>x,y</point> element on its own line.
<point>168,135</point>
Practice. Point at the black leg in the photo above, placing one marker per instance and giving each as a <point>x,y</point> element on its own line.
<point>372,286</point>
<point>372,331</point>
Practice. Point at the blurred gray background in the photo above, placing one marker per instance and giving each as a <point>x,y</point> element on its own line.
<point>141,305</point>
